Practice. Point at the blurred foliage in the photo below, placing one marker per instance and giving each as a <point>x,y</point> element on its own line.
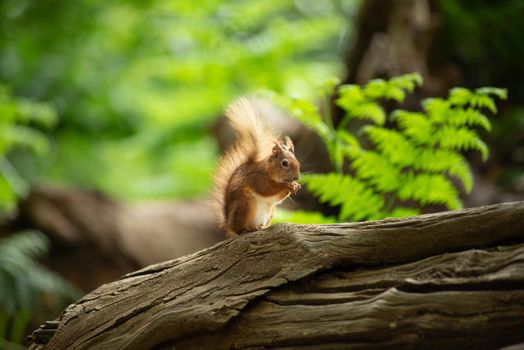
<point>27,290</point>
<point>137,83</point>
<point>21,122</point>
<point>400,163</point>
<point>484,37</point>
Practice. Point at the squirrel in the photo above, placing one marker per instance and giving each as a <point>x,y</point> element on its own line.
<point>254,175</point>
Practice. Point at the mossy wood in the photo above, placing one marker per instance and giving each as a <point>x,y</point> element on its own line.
<point>452,279</point>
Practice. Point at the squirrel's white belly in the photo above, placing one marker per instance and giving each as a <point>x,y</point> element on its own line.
<point>264,209</point>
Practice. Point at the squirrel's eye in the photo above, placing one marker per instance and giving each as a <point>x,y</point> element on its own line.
<point>284,163</point>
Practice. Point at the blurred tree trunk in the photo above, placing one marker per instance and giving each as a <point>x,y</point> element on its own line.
<point>434,281</point>
<point>96,239</point>
<point>393,37</point>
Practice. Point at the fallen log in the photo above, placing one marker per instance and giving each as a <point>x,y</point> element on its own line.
<point>96,239</point>
<point>452,279</point>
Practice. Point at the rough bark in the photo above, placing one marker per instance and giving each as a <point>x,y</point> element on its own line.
<point>454,300</point>
<point>280,275</point>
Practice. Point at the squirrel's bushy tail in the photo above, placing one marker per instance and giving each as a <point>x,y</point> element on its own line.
<point>254,142</point>
<point>254,139</point>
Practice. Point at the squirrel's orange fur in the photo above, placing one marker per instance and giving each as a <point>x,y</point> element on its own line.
<point>255,174</point>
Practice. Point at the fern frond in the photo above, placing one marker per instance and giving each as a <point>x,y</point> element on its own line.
<point>398,86</point>
<point>350,95</point>
<point>483,101</point>
<point>406,82</point>
<point>307,113</point>
<point>21,135</point>
<point>460,96</point>
<point>353,101</point>
<point>460,139</point>
<point>430,189</point>
<point>328,86</point>
<point>413,163</point>
<point>7,194</point>
<point>481,98</point>
<point>41,114</point>
<point>26,280</point>
<point>375,89</point>
<point>368,110</point>
<point>347,139</point>
<point>415,126</point>
<point>394,89</point>
<point>356,199</point>
<point>436,108</point>
<point>376,169</point>
<point>469,117</point>
<point>441,160</point>
<point>492,91</point>
<point>32,244</point>
<point>395,147</point>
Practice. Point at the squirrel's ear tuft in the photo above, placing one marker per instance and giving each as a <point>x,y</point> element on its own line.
<point>277,149</point>
<point>288,144</point>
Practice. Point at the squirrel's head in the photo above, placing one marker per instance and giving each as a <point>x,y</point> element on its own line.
<point>284,166</point>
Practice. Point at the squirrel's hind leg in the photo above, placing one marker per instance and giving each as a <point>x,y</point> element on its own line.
<point>240,217</point>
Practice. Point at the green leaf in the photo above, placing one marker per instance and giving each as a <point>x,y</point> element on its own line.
<point>347,140</point>
<point>329,85</point>
<point>443,160</point>
<point>483,101</point>
<point>430,189</point>
<point>28,282</point>
<point>357,200</point>
<point>436,108</point>
<point>460,139</point>
<point>395,147</point>
<point>41,114</point>
<point>375,89</point>
<point>467,117</point>
<point>352,100</point>
<point>460,96</point>
<point>376,169</point>
<point>500,93</point>
<point>22,136</point>
<point>7,194</point>
<point>406,82</point>
<point>416,126</point>
<point>307,113</point>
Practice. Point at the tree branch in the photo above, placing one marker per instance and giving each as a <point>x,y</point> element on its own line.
<point>202,293</point>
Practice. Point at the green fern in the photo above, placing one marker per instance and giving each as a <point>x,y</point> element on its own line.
<point>413,162</point>
<point>26,288</point>
<point>21,122</point>
<point>355,198</point>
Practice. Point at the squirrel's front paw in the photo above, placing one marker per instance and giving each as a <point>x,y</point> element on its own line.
<point>294,187</point>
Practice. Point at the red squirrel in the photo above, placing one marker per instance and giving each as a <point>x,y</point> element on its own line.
<point>257,173</point>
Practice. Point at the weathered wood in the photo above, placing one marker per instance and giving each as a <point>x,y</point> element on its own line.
<point>472,299</point>
<point>203,292</point>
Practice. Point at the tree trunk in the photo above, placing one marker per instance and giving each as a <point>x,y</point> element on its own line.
<point>432,281</point>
